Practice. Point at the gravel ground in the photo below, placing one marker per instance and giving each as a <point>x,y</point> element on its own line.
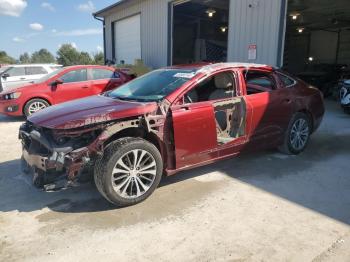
<point>259,207</point>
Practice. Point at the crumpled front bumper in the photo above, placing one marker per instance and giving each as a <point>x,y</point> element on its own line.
<point>50,162</point>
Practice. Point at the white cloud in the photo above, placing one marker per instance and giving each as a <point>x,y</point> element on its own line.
<point>48,6</point>
<point>18,39</point>
<point>73,44</point>
<point>88,7</point>
<point>54,31</point>
<point>80,32</point>
<point>99,48</point>
<point>12,7</point>
<point>36,26</point>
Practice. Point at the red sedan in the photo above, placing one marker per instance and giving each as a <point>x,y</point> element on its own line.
<point>62,85</point>
<point>167,121</point>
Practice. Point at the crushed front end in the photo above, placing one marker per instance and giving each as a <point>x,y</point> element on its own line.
<point>59,155</point>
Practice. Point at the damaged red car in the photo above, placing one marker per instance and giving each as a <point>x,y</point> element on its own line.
<point>167,121</point>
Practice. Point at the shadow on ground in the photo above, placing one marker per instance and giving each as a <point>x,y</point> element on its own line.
<point>318,179</point>
<point>312,180</point>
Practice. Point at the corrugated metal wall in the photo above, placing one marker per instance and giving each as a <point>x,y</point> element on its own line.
<point>154,29</point>
<point>256,22</point>
<point>251,22</point>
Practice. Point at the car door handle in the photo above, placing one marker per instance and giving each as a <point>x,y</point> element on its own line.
<point>22,78</point>
<point>84,87</point>
<point>185,108</point>
<point>288,101</point>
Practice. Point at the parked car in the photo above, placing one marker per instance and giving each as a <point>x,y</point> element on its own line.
<point>167,121</point>
<point>344,95</point>
<point>19,75</point>
<point>323,76</point>
<point>62,85</point>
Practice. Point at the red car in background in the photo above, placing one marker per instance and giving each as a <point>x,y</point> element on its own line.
<point>60,86</point>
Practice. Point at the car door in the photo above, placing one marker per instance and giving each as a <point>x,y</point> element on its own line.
<point>35,72</point>
<point>209,125</point>
<point>272,106</point>
<point>75,85</point>
<point>104,79</point>
<point>13,77</point>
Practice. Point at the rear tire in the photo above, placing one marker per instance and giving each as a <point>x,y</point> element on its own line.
<point>129,171</point>
<point>34,105</point>
<point>297,135</point>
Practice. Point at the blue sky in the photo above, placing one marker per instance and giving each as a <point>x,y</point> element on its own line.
<point>28,25</point>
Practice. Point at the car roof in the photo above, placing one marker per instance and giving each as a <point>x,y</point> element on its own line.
<point>24,65</point>
<point>87,66</point>
<point>211,67</point>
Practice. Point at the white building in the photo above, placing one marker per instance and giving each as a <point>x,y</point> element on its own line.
<point>274,32</point>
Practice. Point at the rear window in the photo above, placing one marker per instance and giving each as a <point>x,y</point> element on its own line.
<point>35,70</point>
<point>287,81</point>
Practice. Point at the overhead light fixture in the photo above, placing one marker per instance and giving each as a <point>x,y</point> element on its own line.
<point>294,16</point>
<point>210,12</point>
<point>223,29</point>
<point>300,30</point>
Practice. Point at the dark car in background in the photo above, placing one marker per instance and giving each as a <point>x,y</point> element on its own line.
<point>323,76</point>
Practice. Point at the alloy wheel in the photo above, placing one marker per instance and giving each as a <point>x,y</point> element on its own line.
<point>134,174</point>
<point>35,107</point>
<point>299,134</point>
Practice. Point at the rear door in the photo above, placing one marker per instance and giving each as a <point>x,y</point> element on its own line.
<point>103,79</point>
<point>75,85</point>
<point>272,106</point>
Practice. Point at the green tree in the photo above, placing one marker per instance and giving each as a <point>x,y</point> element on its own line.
<point>6,59</point>
<point>24,58</point>
<point>99,58</point>
<point>43,56</point>
<point>85,59</point>
<point>67,55</point>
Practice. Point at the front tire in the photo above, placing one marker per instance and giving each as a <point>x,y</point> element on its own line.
<point>297,135</point>
<point>129,171</point>
<point>35,105</point>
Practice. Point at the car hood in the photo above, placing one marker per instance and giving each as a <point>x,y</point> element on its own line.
<point>20,88</point>
<point>88,111</point>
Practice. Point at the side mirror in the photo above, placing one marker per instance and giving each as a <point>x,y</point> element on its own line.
<point>56,82</point>
<point>6,75</point>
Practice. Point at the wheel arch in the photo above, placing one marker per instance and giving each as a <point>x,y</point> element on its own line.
<point>309,115</point>
<point>135,132</point>
<point>35,97</point>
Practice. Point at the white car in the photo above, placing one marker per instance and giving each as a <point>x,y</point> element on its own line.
<point>19,75</point>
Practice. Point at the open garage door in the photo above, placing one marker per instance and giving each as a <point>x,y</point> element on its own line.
<point>127,40</point>
<point>317,44</point>
<point>200,31</point>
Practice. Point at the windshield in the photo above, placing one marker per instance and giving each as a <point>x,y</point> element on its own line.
<point>48,76</point>
<point>153,86</point>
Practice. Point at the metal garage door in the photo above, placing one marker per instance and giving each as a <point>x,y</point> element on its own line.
<point>128,40</point>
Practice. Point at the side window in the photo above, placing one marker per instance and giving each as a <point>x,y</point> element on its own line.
<point>217,87</point>
<point>75,76</point>
<point>287,81</point>
<point>259,82</point>
<point>16,71</point>
<point>35,70</point>
<point>103,74</point>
